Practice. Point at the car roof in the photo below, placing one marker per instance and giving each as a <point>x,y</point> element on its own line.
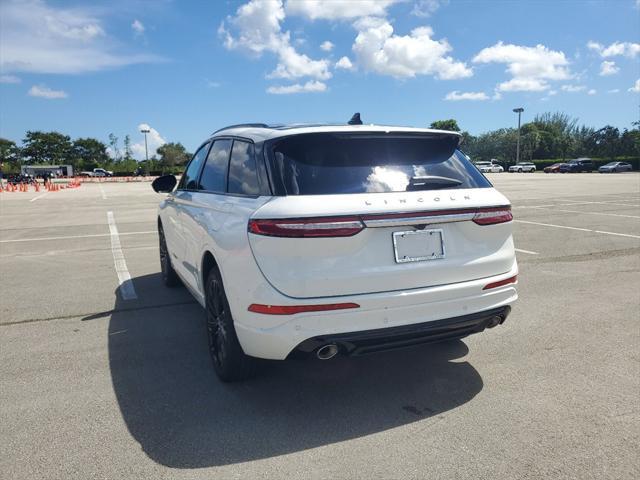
<point>260,132</point>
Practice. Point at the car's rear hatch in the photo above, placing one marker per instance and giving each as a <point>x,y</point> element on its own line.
<point>367,233</point>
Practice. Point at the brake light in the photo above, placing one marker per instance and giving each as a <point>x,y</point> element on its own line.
<point>501,283</point>
<point>307,227</point>
<point>293,309</point>
<point>492,216</point>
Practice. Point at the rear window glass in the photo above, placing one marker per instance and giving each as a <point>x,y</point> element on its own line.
<point>326,163</point>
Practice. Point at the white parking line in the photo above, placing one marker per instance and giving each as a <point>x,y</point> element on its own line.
<point>556,226</point>
<point>619,234</point>
<point>589,213</point>
<point>526,251</point>
<point>127,290</point>
<point>74,236</point>
<point>580,229</point>
<point>102,192</point>
<point>39,196</point>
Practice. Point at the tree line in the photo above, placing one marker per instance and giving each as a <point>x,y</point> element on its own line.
<point>54,148</point>
<point>550,136</point>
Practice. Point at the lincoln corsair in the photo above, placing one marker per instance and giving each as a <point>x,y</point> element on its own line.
<point>335,239</point>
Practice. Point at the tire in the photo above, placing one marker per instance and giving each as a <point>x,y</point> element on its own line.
<point>230,362</point>
<point>169,276</point>
<point>519,170</point>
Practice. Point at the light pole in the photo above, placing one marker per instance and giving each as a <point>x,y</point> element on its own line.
<point>146,151</point>
<point>519,111</point>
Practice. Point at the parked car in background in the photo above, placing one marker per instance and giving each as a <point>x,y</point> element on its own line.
<point>577,165</point>
<point>555,168</point>
<point>101,172</point>
<point>614,167</point>
<point>489,167</point>
<point>335,239</point>
<point>97,172</point>
<point>522,167</point>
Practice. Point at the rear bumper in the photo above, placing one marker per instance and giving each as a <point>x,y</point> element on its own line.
<point>370,341</point>
<point>276,336</point>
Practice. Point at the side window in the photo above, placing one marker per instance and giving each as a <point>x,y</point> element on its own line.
<point>214,175</point>
<point>243,177</point>
<point>189,180</point>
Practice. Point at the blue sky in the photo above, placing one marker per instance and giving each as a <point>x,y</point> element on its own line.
<point>188,68</point>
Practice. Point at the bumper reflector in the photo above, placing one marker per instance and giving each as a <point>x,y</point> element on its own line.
<point>293,309</point>
<point>501,283</point>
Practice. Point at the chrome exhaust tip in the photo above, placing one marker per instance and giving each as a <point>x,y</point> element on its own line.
<point>327,352</point>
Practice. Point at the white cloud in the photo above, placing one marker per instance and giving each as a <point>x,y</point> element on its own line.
<point>592,91</point>
<point>456,96</point>
<point>614,90</point>
<point>616,49</point>
<point>256,29</point>
<point>39,38</point>
<point>608,68</point>
<point>212,84</point>
<point>327,46</point>
<point>636,87</point>
<point>154,141</point>
<point>9,79</point>
<point>344,63</point>
<point>338,9</point>
<point>138,27</point>
<point>309,87</point>
<point>378,50</point>
<point>523,85</point>
<point>294,65</point>
<point>43,91</point>
<point>425,8</point>
<point>530,67</point>
<point>573,88</point>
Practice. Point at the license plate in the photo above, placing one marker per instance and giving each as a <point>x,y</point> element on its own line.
<point>418,245</point>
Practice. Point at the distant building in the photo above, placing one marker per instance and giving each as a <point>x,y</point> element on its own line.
<point>52,170</point>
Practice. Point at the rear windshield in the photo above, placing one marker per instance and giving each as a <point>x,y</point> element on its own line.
<point>330,163</point>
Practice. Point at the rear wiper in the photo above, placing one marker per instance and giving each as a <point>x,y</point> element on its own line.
<point>432,182</point>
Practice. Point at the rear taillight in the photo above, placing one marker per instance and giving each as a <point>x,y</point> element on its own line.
<point>307,227</point>
<point>293,309</point>
<point>491,216</point>
<point>501,283</point>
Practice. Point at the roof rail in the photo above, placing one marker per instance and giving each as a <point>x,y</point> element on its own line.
<point>240,125</point>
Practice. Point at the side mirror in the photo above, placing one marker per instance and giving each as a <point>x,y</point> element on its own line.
<point>164,184</point>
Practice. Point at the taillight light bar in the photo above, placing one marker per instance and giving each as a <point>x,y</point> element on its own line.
<point>492,216</point>
<point>308,227</point>
<point>501,283</point>
<point>293,309</point>
<point>348,226</point>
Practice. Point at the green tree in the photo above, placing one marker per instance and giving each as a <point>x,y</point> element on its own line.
<point>450,125</point>
<point>127,148</point>
<point>113,145</point>
<point>9,151</point>
<point>607,140</point>
<point>47,147</point>
<point>89,153</point>
<point>173,155</point>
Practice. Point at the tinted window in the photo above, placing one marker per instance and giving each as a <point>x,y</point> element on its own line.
<point>326,163</point>
<point>214,175</point>
<point>242,170</point>
<point>189,180</point>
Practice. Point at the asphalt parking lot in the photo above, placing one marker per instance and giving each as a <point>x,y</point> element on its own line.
<point>95,386</point>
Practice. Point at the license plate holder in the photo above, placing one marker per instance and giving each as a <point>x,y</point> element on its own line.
<point>418,245</point>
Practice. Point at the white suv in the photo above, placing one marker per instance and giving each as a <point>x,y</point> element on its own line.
<point>335,239</point>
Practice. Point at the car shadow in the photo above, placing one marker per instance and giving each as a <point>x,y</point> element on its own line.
<point>183,417</point>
